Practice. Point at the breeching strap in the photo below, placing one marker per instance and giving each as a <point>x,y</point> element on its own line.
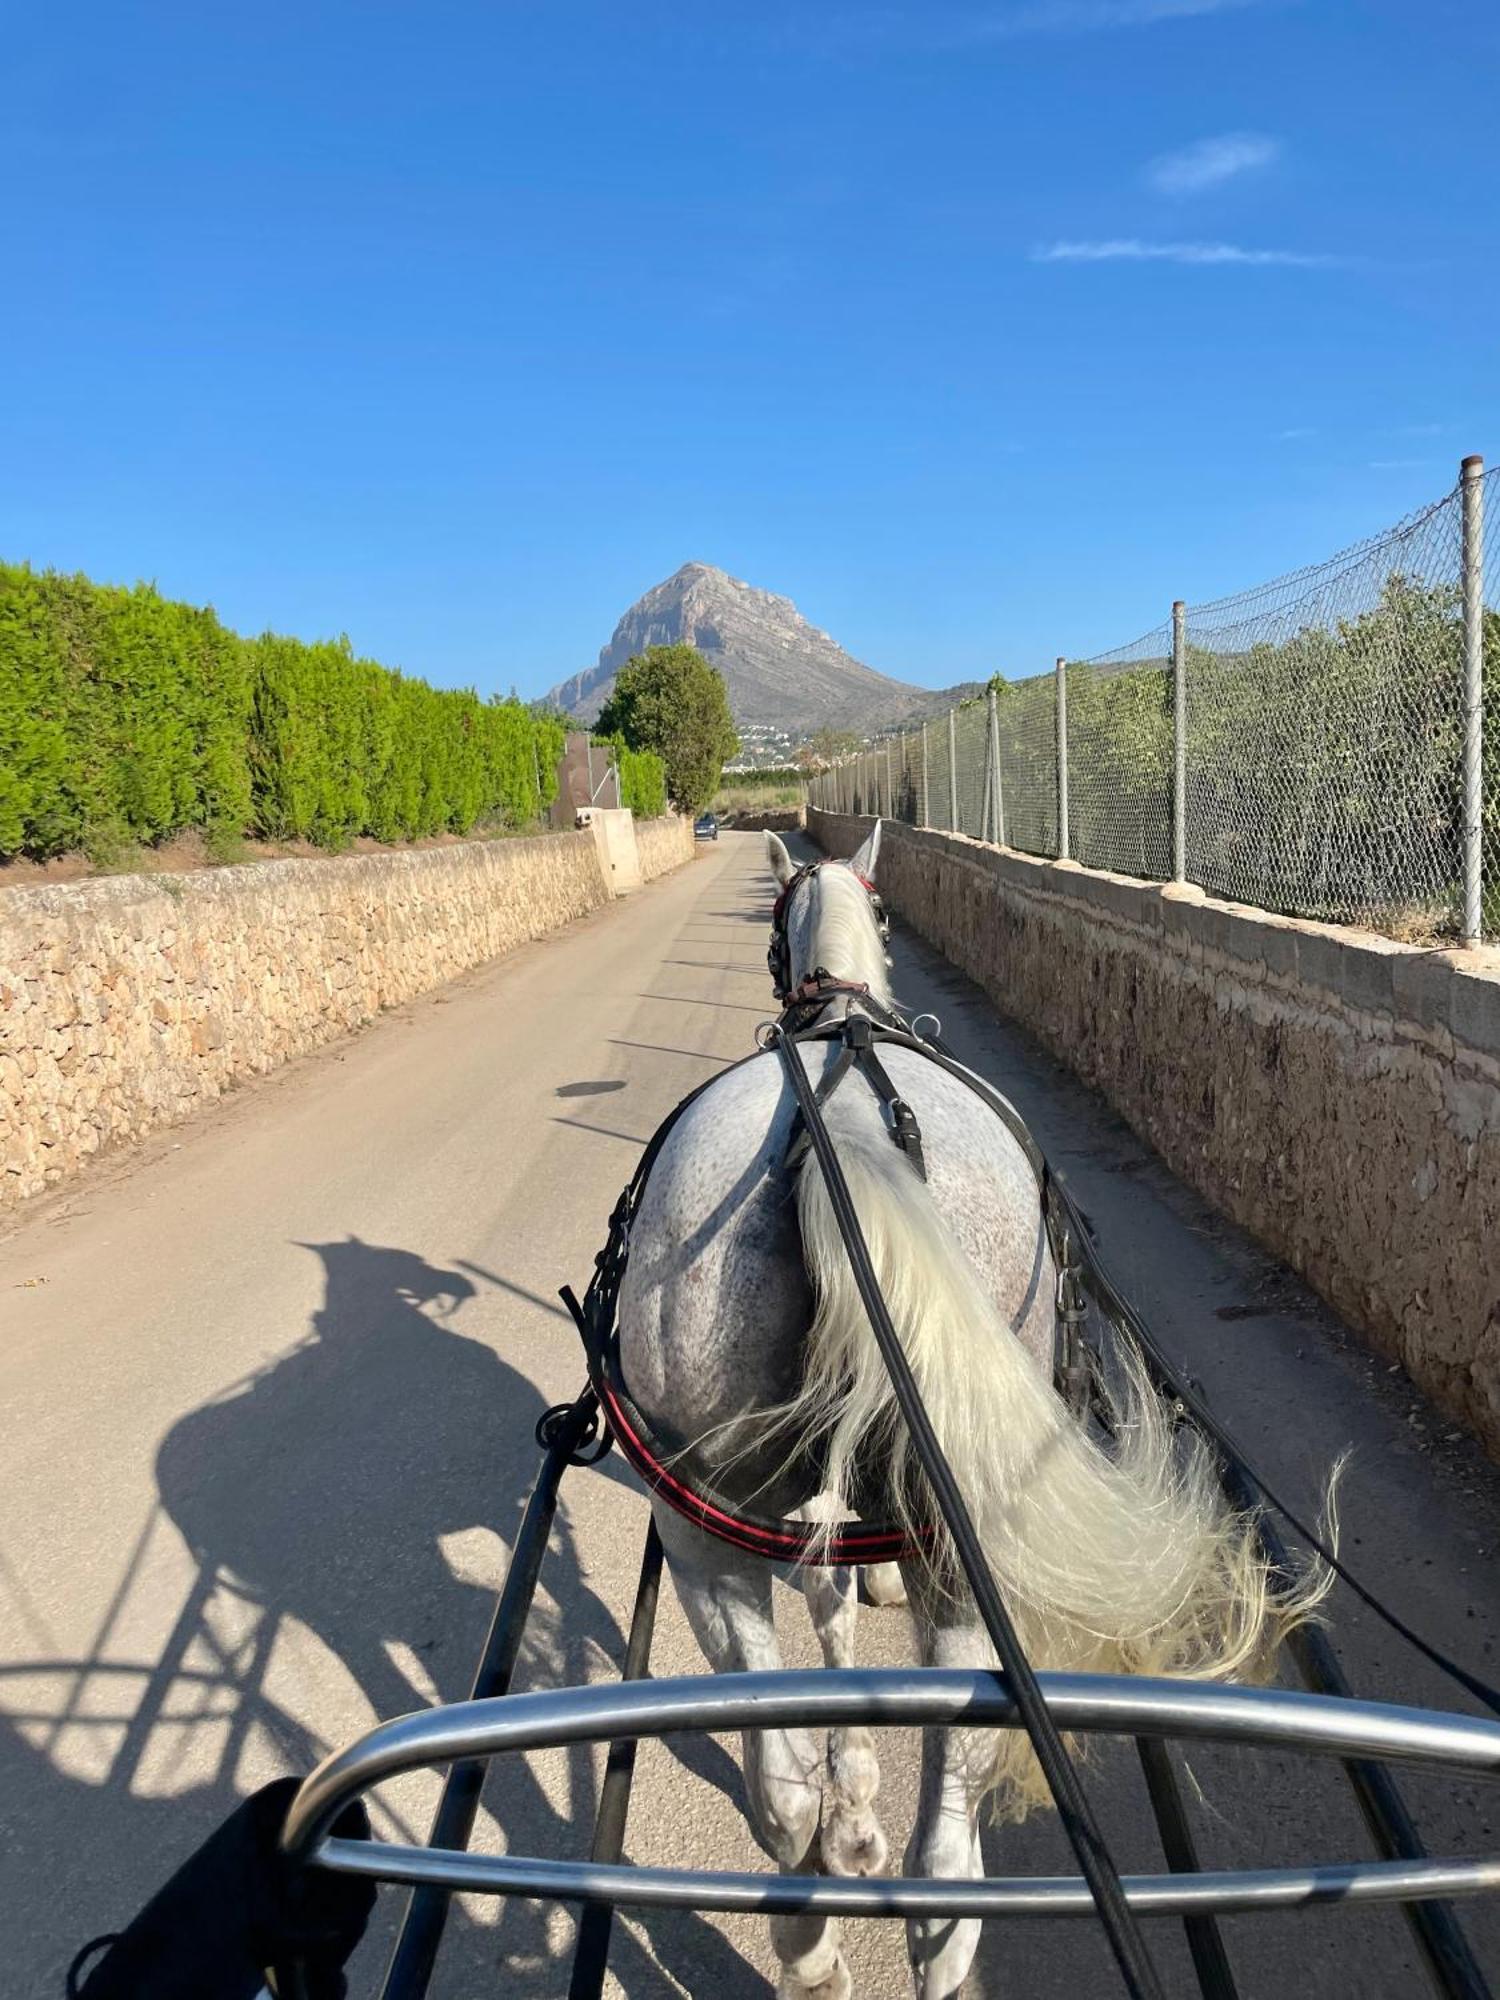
<point>1094,1859</point>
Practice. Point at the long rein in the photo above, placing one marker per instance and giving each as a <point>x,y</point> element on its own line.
<point>1127,1942</point>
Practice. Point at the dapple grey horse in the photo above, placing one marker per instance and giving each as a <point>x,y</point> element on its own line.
<point>743,1337</point>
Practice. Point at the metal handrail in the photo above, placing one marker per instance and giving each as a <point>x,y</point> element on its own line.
<point>1270,1718</point>
<point>1221,1892</point>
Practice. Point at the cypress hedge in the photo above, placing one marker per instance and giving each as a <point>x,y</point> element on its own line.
<point>126,717</point>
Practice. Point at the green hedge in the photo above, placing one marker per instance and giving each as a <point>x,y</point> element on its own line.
<point>643,777</point>
<point>125,717</point>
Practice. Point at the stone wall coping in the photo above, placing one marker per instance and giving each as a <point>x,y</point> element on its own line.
<point>91,892</point>
<point>1444,992</point>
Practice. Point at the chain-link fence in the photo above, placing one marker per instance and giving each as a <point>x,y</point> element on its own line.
<point>1325,726</point>
<point>1119,708</point>
<point>1318,746</point>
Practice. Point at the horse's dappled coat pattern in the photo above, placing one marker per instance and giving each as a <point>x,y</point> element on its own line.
<point>742,1333</point>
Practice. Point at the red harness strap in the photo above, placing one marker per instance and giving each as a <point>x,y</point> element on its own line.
<point>782,1541</point>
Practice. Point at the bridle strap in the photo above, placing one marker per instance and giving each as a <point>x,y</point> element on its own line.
<point>803,1002</point>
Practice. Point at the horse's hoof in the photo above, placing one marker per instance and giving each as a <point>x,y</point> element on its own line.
<point>884,1584</point>
<point>836,1986</point>
<point>854,1843</point>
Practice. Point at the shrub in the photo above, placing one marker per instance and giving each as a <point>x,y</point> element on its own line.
<point>643,777</point>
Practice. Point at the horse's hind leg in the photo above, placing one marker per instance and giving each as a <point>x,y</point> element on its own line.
<point>945,1837</point>
<point>853,1842</point>
<point>727,1598</point>
<point>884,1584</point>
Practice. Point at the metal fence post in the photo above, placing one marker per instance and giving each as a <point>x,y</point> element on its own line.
<point>923,820</point>
<point>1179,741</point>
<point>999,791</point>
<point>890,794</point>
<point>953,825</point>
<point>985,793</point>
<point>1062,761</point>
<point>1471,479</point>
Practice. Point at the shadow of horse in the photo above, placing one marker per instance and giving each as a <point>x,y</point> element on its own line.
<point>321,1490</point>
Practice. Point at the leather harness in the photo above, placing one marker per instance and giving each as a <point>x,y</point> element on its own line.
<point>674,1473</point>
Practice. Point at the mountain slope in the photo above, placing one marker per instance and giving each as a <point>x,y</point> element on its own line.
<point>779,669</point>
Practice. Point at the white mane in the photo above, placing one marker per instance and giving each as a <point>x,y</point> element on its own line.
<point>839,932</point>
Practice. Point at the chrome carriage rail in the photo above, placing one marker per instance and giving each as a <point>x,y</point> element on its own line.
<point>1184,1711</point>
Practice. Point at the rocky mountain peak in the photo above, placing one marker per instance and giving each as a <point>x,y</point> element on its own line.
<point>780,669</point>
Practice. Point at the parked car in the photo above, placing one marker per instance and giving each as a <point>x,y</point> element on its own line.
<point>705,827</point>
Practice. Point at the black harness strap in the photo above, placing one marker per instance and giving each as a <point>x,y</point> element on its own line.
<point>858,1052</point>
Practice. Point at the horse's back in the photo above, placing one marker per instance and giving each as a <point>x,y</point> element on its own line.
<point>716,1302</point>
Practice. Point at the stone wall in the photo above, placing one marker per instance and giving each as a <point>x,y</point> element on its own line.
<point>127,1002</point>
<point>1336,1093</point>
<point>771,819</point>
<point>664,844</point>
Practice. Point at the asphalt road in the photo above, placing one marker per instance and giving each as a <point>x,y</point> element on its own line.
<point>268,1397</point>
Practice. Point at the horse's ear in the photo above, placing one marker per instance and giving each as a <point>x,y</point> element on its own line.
<point>782,865</point>
<point>863,862</point>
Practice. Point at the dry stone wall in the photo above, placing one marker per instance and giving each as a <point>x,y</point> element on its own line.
<point>1334,1092</point>
<point>128,1002</point>
<point>664,844</point>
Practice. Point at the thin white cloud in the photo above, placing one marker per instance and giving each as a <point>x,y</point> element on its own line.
<point>1210,162</point>
<point>927,27</point>
<point>1078,17</point>
<point>1297,431</point>
<point>1398,464</point>
<point>1132,250</point>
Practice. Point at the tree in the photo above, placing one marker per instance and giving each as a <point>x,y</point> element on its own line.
<point>670,700</point>
<point>829,746</point>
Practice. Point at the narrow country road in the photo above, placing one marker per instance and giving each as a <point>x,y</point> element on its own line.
<point>268,1399</point>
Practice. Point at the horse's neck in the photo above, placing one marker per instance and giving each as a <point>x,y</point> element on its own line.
<point>846,945</point>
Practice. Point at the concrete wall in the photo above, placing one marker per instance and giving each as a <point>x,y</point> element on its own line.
<point>129,1001</point>
<point>1334,1092</point>
<point>619,848</point>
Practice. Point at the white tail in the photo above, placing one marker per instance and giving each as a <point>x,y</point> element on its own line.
<point>1123,1562</point>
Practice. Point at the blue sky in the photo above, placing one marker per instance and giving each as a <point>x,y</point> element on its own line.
<point>982,330</point>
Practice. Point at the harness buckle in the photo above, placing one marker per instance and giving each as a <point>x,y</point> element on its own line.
<point>1072,1310</point>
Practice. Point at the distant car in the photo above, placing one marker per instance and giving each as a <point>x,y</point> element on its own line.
<point>705,827</point>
